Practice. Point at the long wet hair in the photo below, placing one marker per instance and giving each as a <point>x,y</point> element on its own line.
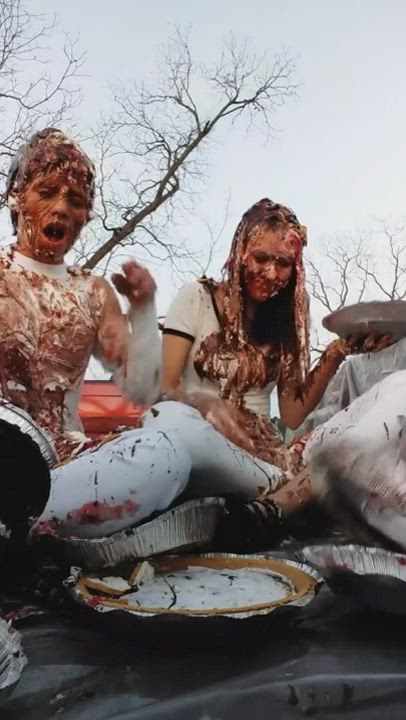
<point>274,320</point>
<point>239,358</point>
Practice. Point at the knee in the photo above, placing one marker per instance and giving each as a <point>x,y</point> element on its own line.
<point>170,415</point>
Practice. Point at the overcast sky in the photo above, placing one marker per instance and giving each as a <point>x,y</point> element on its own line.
<point>338,155</point>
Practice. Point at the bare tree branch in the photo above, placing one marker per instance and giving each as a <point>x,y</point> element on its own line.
<point>390,278</point>
<point>30,95</point>
<point>370,267</point>
<point>151,148</point>
<point>332,276</point>
<point>201,264</point>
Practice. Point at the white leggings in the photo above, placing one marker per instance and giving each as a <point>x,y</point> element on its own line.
<point>142,471</point>
<point>363,449</point>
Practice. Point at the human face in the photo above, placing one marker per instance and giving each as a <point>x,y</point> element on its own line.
<point>267,264</point>
<point>53,208</point>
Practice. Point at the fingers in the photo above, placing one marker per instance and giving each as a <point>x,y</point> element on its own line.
<point>143,288</point>
<point>130,264</point>
<point>230,430</point>
<point>371,343</point>
<point>223,419</point>
<point>238,435</point>
<point>354,344</point>
<point>121,284</point>
<point>133,272</point>
<point>375,342</point>
<point>383,342</point>
<point>136,283</point>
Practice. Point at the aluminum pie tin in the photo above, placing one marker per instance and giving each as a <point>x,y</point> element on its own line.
<point>15,416</point>
<point>371,576</point>
<point>12,658</point>
<point>207,586</point>
<point>184,527</point>
<point>363,318</point>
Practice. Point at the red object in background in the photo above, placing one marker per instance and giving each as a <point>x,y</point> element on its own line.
<point>102,408</point>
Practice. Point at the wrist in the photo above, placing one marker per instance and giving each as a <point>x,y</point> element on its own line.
<point>337,350</point>
<point>142,304</point>
<point>142,315</point>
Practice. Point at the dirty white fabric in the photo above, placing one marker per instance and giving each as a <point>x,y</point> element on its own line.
<point>115,486</point>
<point>142,471</point>
<point>363,449</point>
<point>355,377</point>
<point>218,466</point>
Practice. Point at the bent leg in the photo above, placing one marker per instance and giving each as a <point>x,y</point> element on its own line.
<point>361,452</point>
<point>115,486</point>
<point>218,466</point>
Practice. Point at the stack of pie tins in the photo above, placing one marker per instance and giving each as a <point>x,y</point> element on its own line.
<point>369,576</point>
<point>190,525</point>
<point>12,658</point>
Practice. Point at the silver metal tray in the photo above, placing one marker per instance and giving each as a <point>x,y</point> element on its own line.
<point>15,416</point>
<point>370,576</point>
<point>12,658</point>
<point>186,526</point>
<point>363,318</point>
<point>208,586</point>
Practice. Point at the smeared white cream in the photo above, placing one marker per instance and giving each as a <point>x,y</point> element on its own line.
<point>202,588</point>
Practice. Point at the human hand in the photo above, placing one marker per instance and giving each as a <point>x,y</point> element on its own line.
<point>371,343</point>
<point>357,345</point>
<point>221,414</point>
<point>225,418</point>
<point>135,282</point>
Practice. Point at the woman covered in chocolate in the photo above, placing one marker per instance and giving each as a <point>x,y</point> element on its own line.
<point>228,344</point>
<point>53,318</point>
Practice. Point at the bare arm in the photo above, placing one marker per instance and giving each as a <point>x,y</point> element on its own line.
<point>130,346</point>
<point>176,350</point>
<point>112,334</point>
<point>295,404</point>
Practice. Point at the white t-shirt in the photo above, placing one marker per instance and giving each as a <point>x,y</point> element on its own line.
<point>193,316</point>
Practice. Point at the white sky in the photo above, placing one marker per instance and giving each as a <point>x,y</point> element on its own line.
<point>338,156</point>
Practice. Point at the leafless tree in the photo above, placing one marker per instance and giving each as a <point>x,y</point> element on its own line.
<point>385,272</point>
<point>338,276</point>
<point>31,95</point>
<point>201,263</point>
<point>348,270</point>
<point>371,266</point>
<point>152,147</point>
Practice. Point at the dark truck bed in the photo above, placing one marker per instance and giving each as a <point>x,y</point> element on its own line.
<point>329,662</point>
